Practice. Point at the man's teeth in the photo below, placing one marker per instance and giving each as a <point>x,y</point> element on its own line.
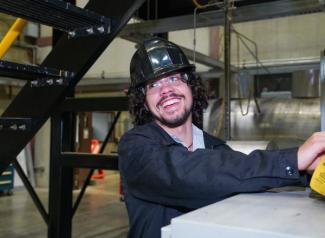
<point>170,102</point>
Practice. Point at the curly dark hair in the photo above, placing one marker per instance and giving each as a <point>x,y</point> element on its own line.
<point>141,115</point>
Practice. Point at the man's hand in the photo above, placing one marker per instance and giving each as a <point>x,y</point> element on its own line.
<point>311,152</point>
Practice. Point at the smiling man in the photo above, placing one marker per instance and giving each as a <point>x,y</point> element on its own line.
<point>170,101</point>
<point>169,166</point>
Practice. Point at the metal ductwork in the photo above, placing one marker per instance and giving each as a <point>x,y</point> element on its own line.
<point>305,84</point>
<point>278,118</point>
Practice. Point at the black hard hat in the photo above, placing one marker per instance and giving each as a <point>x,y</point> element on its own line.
<point>156,58</point>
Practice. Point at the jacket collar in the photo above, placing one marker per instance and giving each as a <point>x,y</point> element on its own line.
<point>166,139</point>
<point>210,141</point>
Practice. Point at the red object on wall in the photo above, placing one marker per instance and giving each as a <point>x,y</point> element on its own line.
<point>95,147</point>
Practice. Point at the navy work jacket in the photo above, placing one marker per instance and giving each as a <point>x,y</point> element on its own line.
<point>161,179</point>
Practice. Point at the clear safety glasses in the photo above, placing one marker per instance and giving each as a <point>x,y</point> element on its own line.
<point>170,81</point>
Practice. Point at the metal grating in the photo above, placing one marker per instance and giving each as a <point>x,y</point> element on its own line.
<point>58,14</point>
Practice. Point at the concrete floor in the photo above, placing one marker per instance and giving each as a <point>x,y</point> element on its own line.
<point>100,214</point>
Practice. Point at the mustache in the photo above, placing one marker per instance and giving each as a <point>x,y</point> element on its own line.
<point>170,95</point>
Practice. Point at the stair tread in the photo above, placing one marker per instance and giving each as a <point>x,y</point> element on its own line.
<point>30,72</point>
<point>58,14</point>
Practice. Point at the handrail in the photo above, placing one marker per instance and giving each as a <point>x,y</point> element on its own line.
<point>11,35</point>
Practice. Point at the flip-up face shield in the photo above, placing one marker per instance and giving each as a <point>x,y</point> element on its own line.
<point>157,58</point>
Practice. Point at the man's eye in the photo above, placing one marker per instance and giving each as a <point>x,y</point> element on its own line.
<point>173,79</point>
<point>153,85</point>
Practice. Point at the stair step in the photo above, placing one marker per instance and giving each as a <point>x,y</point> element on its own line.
<point>38,76</point>
<point>58,14</point>
<point>15,124</point>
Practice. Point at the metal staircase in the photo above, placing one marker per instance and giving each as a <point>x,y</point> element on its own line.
<point>87,34</point>
<point>74,56</point>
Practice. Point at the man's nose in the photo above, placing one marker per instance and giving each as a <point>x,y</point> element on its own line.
<point>166,88</point>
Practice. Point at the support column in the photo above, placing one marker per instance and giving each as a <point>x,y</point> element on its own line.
<point>227,60</point>
<point>322,89</point>
<point>61,178</point>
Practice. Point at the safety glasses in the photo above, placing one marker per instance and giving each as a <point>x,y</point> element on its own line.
<point>175,80</point>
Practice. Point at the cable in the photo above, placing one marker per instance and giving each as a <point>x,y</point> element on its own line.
<point>240,100</point>
<point>199,6</point>
<point>258,62</point>
<point>238,79</point>
<point>221,117</point>
<point>255,55</point>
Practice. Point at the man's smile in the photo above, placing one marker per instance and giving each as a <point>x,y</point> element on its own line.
<point>169,103</point>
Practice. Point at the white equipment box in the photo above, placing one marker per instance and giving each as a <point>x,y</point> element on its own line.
<point>268,215</point>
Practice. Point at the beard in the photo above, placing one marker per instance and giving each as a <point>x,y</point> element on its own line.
<point>177,121</point>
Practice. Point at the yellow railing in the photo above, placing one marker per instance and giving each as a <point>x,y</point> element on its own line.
<point>11,35</point>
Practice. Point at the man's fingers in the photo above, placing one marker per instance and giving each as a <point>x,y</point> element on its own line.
<point>310,150</point>
<point>315,163</point>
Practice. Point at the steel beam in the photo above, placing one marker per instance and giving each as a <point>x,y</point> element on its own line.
<point>203,59</point>
<point>227,73</point>
<point>31,191</point>
<point>91,161</point>
<point>61,178</point>
<point>265,10</point>
<point>271,69</point>
<point>95,104</point>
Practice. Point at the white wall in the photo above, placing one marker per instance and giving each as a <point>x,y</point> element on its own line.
<point>285,39</point>
<point>185,38</point>
<point>114,61</point>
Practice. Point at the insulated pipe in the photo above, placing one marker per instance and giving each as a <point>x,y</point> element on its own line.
<point>11,35</point>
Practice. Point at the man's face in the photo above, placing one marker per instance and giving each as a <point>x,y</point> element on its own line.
<point>169,99</point>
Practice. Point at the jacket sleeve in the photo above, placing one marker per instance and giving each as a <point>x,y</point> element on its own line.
<point>173,176</point>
